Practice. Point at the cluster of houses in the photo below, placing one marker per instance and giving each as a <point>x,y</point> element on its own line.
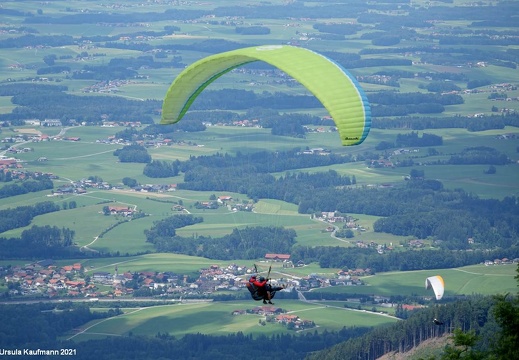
<point>333,217</point>
<point>10,164</point>
<point>45,278</point>
<point>16,171</point>
<point>81,187</point>
<point>381,248</point>
<point>110,86</point>
<point>503,261</point>
<point>278,315</point>
<point>227,201</point>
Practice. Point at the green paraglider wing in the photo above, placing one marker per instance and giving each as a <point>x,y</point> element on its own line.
<point>335,88</point>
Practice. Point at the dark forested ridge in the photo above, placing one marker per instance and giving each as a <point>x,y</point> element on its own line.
<point>481,327</point>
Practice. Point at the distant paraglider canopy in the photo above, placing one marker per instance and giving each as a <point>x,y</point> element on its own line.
<point>437,284</point>
<point>330,83</point>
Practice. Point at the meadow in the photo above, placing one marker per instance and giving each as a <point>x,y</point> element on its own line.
<point>468,280</point>
<point>217,319</point>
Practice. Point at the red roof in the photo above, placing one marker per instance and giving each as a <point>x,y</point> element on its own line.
<point>277,256</point>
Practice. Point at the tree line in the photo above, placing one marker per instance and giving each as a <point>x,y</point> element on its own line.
<point>27,326</point>
<point>23,186</point>
<point>40,242</point>
<point>360,258</point>
<point>482,123</point>
<point>13,218</point>
<point>242,243</point>
<point>51,102</point>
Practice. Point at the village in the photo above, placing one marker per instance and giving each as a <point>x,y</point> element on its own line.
<point>48,280</point>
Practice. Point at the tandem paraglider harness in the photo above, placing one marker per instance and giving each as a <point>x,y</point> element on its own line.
<point>260,293</point>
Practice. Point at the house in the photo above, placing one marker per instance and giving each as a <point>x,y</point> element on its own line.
<point>266,310</point>
<point>101,276</point>
<point>77,267</point>
<point>6,163</point>
<point>120,210</point>
<point>224,198</point>
<point>285,318</point>
<point>51,122</point>
<point>277,257</point>
<point>68,268</point>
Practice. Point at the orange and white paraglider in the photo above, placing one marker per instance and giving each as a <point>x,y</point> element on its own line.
<point>437,284</point>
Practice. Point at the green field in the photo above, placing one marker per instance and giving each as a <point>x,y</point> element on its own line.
<point>468,280</point>
<point>217,319</point>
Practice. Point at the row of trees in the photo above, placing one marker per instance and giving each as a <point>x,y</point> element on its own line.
<point>24,186</point>
<point>354,258</point>
<point>480,155</point>
<point>13,218</point>
<point>469,123</point>
<point>133,153</point>
<point>161,169</point>
<point>263,162</point>
<point>24,326</point>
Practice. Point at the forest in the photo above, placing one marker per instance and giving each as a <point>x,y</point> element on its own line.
<point>481,328</point>
<point>247,243</point>
<point>40,242</point>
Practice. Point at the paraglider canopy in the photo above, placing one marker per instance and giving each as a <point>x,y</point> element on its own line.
<point>335,88</point>
<point>437,284</point>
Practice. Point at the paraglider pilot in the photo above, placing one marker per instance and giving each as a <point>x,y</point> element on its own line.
<point>437,322</point>
<point>262,288</point>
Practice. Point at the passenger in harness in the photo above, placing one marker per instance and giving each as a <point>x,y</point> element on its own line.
<point>260,290</point>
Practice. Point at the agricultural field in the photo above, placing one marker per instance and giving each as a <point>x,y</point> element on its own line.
<point>468,280</point>
<point>217,319</point>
